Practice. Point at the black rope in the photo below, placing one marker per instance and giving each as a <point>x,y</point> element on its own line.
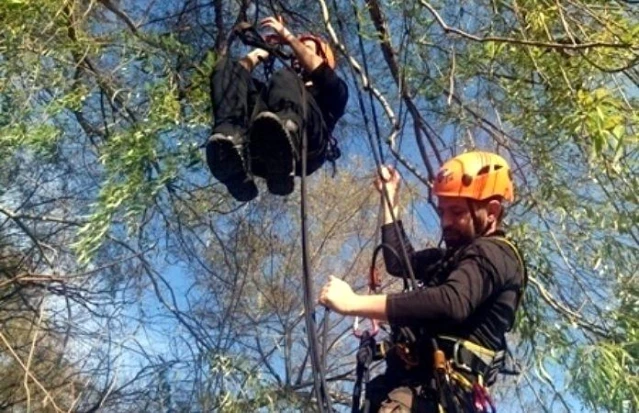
<point>317,359</point>
<point>378,164</point>
<point>251,37</point>
<point>407,264</point>
<point>319,378</point>
<point>365,355</point>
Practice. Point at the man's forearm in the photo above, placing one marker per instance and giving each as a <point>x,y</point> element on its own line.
<point>388,217</point>
<point>370,306</point>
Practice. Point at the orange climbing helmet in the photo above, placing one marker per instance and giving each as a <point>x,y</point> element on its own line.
<point>323,48</point>
<point>475,175</point>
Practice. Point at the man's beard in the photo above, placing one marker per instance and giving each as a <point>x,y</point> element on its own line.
<point>455,239</point>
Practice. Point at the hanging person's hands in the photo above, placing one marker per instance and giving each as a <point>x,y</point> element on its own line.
<point>275,23</point>
<point>253,58</point>
<point>305,51</point>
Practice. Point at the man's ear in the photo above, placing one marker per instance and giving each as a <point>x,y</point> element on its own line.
<point>493,211</point>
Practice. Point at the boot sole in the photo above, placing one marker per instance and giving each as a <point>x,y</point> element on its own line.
<point>274,148</point>
<point>226,165</point>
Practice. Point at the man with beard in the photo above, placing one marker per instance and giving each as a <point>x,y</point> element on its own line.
<point>467,298</point>
<point>259,127</point>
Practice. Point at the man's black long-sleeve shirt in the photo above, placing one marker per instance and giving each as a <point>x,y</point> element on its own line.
<point>475,298</point>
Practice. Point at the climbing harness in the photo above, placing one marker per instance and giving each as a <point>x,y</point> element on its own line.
<point>462,369</point>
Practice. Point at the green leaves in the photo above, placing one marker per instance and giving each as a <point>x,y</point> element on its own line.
<point>606,375</point>
<point>135,176</point>
<point>598,116</point>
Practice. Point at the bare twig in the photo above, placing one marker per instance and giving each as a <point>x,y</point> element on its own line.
<point>48,396</point>
<point>525,42</point>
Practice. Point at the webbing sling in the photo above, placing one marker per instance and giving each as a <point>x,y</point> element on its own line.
<point>522,264</point>
<point>469,357</point>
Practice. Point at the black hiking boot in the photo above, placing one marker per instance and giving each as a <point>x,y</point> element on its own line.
<point>273,143</point>
<point>225,157</point>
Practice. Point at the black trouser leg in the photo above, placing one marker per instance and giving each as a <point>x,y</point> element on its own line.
<point>233,94</point>
<point>286,96</point>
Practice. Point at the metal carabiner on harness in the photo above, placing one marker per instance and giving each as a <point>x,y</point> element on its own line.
<point>357,332</point>
<point>374,282</point>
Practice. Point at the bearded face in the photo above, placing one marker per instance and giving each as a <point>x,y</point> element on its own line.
<point>463,220</point>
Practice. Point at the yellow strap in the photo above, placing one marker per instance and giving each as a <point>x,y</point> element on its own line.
<point>472,347</point>
<point>513,247</point>
<point>382,348</point>
<point>484,354</point>
<point>521,263</point>
<point>463,381</point>
<point>477,349</point>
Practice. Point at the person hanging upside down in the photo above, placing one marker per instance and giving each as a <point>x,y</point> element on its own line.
<point>258,127</point>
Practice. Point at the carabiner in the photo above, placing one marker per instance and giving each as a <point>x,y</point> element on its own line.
<point>359,333</point>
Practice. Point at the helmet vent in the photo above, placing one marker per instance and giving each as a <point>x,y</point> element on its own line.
<point>467,179</point>
<point>484,170</point>
<point>498,167</point>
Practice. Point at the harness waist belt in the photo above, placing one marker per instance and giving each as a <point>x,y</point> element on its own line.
<point>473,358</point>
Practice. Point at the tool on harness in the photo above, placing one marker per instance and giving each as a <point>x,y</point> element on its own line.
<point>369,349</point>
<point>482,402</point>
<point>404,336</point>
<point>442,378</point>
